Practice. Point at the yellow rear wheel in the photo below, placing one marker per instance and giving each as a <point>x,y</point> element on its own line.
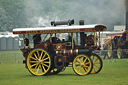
<point>109,49</point>
<point>97,63</point>
<point>119,53</point>
<point>82,65</point>
<point>39,62</point>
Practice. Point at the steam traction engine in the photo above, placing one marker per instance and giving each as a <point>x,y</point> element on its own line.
<point>118,46</point>
<point>122,46</point>
<point>53,54</point>
<point>110,44</point>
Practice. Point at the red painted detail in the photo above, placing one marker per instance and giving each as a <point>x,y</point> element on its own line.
<point>64,46</point>
<point>55,31</point>
<point>40,46</point>
<point>98,48</point>
<point>60,46</point>
<point>21,32</point>
<point>44,45</point>
<point>104,45</point>
<point>75,52</point>
<point>67,58</point>
<point>25,52</point>
<point>87,30</point>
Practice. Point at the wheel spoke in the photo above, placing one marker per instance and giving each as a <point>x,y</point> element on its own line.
<point>36,66</point>
<point>45,65</point>
<point>38,54</point>
<point>80,69</point>
<point>96,66</point>
<point>92,57</point>
<point>79,60</point>
<point>85,68</point>
<point>77,65</point>
<point>96,59</point>
<point>46,58</point>
<point>82,59</point>
<point>33,61</point>
<point>94,69</point>
<point>87,63</point>
<point>33,65</point>
<point>44,68</point>
<point>85,60</point>
<point>44,55</point>
<point>38,69</point>
<point>97,63</point>
<point>46,62</point>
<point>35,56</point>
<point>41,55</point>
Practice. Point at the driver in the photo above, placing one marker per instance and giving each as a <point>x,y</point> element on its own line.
<point>36,39</point>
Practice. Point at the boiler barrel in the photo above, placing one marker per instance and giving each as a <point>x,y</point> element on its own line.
<point>68,22</point>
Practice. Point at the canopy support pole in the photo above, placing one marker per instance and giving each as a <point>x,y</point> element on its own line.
<point>72,41</point>
<point>23,41</point>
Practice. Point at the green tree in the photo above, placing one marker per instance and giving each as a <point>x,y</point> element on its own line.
<point>12,14</point>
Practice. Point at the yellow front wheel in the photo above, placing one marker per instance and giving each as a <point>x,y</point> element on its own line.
<point>82,65</point>
<point>97,63</point>
<point>39,62</point>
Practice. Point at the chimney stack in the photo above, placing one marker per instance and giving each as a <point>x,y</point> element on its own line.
<point>126,28</point>
<point>82,37</point>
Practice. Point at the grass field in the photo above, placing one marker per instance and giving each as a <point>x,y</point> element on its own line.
<point>10,56</point>
<point>114,72</point>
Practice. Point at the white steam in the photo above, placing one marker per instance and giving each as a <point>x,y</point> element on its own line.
<point>108,12</point>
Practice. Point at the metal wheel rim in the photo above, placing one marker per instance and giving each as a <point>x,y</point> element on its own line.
<point>97,63</point>
<point>119,53</point>
<point>38,62</point>
<point>82,65</point>
<point>109,49</point>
